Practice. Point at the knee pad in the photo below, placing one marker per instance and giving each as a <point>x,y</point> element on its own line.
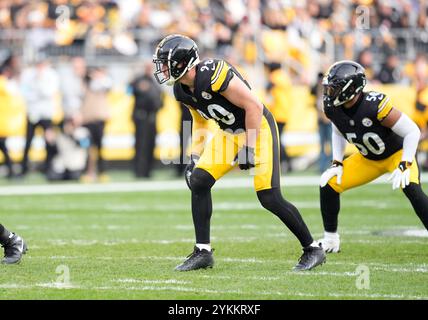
<point>272,200</point>
<point>201,180</point>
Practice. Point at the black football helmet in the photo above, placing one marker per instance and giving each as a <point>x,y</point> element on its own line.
<point>343,81</point>
<point>174,56</point>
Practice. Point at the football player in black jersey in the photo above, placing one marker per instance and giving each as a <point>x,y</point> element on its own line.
<point>248,136</point>
<point>386,139</point>
<point>14,246</point>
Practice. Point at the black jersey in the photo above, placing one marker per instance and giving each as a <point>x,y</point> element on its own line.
<point>361,126</point>
<point>213,77</point>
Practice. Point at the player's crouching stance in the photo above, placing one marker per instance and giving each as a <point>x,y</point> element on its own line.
<point>386,138</point>
<point>14,246</point>
<point>213,89</point>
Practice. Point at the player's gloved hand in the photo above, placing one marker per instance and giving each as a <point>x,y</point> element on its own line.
<point>189,169</point>
<point>330,243</point>
<point>245,158</point>
<point>336,169</point>
<point>401,175</point>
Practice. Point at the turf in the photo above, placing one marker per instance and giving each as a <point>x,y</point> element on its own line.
<point>126,245</point>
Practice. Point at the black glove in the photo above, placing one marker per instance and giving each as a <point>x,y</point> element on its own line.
<point>189,169</point>
<point>245,158</point>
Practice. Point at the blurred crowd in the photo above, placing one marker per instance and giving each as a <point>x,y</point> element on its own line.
<point>303,35</point>
<point>72,146</point>
<point>275,43</point>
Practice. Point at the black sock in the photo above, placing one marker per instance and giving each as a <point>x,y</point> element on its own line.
<point>4,235</point>
<point>330,206</point>
<point>273,201</point>
<point>201,182</point>
<point>419,201</point>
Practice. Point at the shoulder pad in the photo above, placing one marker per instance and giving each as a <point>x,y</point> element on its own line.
<point>215,74</point>
<point>384,107</point>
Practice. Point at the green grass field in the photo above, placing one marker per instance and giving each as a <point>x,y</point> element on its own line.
<point>125,245</point>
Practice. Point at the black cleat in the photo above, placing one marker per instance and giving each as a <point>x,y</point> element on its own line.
<point>14,249</point>
<point>311,257</point>
<point>198,259</point>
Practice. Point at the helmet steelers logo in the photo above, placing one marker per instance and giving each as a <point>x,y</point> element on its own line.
<point>367,122</point>
<point>206,95</point>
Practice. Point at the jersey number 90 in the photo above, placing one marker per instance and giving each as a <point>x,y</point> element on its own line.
<point>219,113</point>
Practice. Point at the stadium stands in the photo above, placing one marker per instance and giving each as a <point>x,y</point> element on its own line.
<point>304,37</point>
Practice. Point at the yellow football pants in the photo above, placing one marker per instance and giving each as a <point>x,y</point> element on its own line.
<point>358,170</point>
<point>219,154</point>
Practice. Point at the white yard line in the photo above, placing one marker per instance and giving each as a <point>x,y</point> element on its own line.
<point>169,281</point>
<point>401,268</point>
<point>264,293</point>
<point>279,236</point>
<point>285,273</point>
<point>220,206</point>
<point>58,285</point>
<point>53,285</point>
<point>387,241</point>
<point>160,286</point>
<point>167,185</point>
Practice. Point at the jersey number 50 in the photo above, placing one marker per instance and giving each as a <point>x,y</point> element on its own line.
<point>371,141</point>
